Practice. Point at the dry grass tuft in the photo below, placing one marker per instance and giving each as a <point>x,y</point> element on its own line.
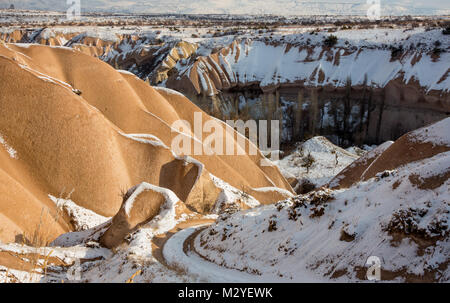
<point>131,279</point>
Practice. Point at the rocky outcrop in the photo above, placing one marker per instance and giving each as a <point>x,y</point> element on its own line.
<point>360,92</point>
<point>72,124</point>
<point>141,204</point>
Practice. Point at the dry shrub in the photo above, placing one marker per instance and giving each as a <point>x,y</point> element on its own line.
<point>407,223</point>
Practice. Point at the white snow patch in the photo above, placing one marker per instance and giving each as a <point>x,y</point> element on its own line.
<point>437,134</point>
<point>145,138</point>
<point>328,160</point>
<point>11,151</point>
<point>83,218</point>
<point>230,195</point>
<point>168,91</point>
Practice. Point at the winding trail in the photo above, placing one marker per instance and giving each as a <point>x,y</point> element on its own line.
<point>178,253</point>
<point>159,241</point>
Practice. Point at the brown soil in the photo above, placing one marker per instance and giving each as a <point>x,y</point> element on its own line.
<point>403,151</point>
<point>432,182</point>
<point>432,276</point>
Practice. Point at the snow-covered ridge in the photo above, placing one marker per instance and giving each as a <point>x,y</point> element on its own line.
<point>401,216</point>
<point>437,134</point>
<point>171,198</point>
<point>360,62</point>
<point>168,91</point>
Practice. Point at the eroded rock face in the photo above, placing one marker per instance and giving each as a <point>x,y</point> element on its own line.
<point>359,95</point>
<point>140,205</point>
<point>71,123</point>
<point>352,93</point>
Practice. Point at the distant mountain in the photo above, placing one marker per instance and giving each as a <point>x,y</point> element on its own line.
<point>278,7</point>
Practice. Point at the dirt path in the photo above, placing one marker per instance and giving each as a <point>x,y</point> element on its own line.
<point>175,250</point>
<point>159,241</point>
<point>179,253</point>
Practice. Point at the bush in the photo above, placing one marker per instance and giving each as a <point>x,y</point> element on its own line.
<point>272,224</point>
<point>305,186</point>
<point>330,41</point>
<point>437,51</point>
<point>446,31</point>
<point>396,52</point>
<point>308,161</point>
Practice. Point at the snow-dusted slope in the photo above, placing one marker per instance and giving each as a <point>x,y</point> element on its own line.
<point>399,216</point>
<point>317,160</point>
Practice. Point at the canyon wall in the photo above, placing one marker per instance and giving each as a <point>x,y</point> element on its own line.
<point>350,90</point>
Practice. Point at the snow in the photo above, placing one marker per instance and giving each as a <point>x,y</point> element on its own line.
<point>168,209</point>
<point>8,275</point>
<point>273,189</point>
<point>168,91</point>
<point>138,254</point>
<point>145,138</point>
<point>125,72</point>
<point>267,64</point>
<point>230,195</point>
<point>372,154</point>
<point>252,8</point>
<point>80,238</point>
<point>308,242</point>
<point>363,53</point>
<point>101,264</point>
<point>11,151</point>
<point>207,271</point>
<point>324,166</point>
<point>309,247</point>
<point>66,254</point>
<point>437,134</point>
<point>375,154</point>
<point>82,218</point>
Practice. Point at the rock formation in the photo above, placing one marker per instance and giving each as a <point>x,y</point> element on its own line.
<point>72,124</point>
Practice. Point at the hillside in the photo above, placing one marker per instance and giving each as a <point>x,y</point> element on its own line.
<point>314,163</point>
<point>78,128</point>
<point>118,161</point>
<point>399,213</point>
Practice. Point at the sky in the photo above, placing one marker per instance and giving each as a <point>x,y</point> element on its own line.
<point>291,7</point>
